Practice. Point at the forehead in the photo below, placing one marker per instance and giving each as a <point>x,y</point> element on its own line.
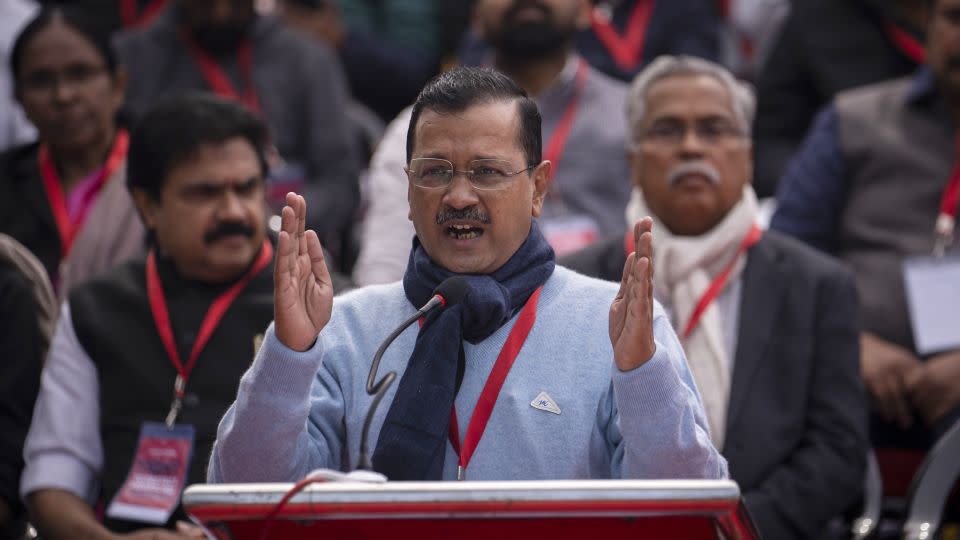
<point>688,96</point>
<point>481,130</point>
<point>234,160</point>
<point>59,44</point>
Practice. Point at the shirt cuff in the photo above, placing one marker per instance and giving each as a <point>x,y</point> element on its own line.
<point>653,386</point>
<point>57,471</point>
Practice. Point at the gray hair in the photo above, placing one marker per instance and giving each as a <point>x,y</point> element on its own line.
<point>741,93</point>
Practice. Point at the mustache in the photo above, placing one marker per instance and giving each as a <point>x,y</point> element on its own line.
<point>694,167</point>
<point>228,228</point>
<point>471,213</point>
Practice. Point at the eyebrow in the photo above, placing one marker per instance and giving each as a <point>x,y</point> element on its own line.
<point>214,184</point>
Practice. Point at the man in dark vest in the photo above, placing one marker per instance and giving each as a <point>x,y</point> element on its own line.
<point>875,184</point>
<point>145,358</point>
<point>769,326</point>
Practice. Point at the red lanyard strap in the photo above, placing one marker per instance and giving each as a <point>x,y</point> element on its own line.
<point>66,227</point>
<point>906,43</point>
<point>627,49</point>
<point>558,140</point>
<point>491,390</point>
<point>161,316</point>
<point>131,18</point>
<point>752,237</point>
<point>946,219</point>
<point>217,78</point>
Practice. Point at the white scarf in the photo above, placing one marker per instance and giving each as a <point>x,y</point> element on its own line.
<point>683,269</point>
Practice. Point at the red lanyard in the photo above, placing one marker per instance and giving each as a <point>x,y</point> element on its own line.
<point>558,140</point>
<point>218,80</point>
<point>130,17</point>
<point>906,43</point>
<point>752,237</point>
<point>626,49</point>
<point>491,390</point>
<point>58,203</point>
<point>161,317</point>
<point>946,220</point>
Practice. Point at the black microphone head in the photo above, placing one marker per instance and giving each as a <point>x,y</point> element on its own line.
<point>452,290</point>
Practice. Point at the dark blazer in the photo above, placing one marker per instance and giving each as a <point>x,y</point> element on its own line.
<point>796,438</point>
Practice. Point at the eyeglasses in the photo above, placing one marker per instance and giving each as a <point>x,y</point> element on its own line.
<point>489,174</point>
<point>673,132</point>
<point>45,81</point>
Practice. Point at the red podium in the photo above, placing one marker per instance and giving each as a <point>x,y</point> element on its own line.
<point>527,510</point>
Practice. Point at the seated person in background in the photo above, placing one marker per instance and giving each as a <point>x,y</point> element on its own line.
<point>293,82</point>
<point>768,325</point>
<point>615,372</point>
<point>825,47</point>
<point>14,127</point>
<point>377,42</point>
<point>180,325</point>
<point>871,186</point>
<point>622,36</point>
<point>63,197</point>
<point>28,312</point>
<point>583,125</point>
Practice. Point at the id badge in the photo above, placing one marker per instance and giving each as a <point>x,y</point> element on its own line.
<point>567,234</point>
<point>156,479</point>
<point>933,294</point>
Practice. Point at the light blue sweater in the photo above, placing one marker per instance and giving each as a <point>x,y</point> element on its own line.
<point>299,411</point>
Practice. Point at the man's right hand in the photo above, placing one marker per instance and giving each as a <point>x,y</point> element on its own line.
<point>885,367</point>
<point>303,290</point>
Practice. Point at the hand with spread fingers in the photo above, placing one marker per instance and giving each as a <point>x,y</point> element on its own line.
<point>631,315</point>
<point>303,290</point>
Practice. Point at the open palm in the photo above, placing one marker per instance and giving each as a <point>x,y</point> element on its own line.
<point>302,289</point>
<point>631,314</point>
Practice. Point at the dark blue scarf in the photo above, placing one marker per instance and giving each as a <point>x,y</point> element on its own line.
<point>413,440</point>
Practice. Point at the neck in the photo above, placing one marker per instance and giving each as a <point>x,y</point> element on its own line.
<point>76,164</point>
<point>534,76</point>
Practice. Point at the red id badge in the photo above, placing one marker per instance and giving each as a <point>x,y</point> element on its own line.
<point>157,477</point>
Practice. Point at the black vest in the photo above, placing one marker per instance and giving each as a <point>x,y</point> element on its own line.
<point>114,324</point>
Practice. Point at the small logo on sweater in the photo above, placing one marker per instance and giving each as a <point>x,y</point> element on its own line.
<point>545,403</point>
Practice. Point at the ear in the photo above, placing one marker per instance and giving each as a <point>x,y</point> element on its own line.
<point>146,207</point>
<point>120,81</point>
<point>583,14</point>
<point>541,183</point>
<point>633,158</point>
<point>409,199</point>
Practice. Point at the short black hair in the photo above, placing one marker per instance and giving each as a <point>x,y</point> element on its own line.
<point>75,18</point>
<point>462,87</point>
<point>172,132</point>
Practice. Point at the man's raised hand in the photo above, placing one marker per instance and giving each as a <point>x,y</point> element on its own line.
<point>631,314</point>
<point>302,288</point>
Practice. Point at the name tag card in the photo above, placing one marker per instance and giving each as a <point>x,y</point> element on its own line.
<point>567,234</point>
<point>152,489</point>
<point>933,296</point>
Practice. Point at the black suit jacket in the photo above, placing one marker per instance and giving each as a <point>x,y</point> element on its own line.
<point>796,438</point>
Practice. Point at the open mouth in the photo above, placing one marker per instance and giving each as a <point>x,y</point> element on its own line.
<point>464,232</point>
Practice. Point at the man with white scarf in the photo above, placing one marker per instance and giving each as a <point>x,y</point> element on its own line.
<point>770,327</point>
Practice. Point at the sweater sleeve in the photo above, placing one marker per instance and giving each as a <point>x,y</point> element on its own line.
<point>660,420</point>
<point>282,425</point>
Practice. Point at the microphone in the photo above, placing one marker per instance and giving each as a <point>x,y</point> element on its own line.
<point>450,292</point>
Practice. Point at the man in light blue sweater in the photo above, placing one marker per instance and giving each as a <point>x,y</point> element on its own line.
<point>539,373</point>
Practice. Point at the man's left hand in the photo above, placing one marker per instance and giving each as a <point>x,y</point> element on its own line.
<point>631,315</point>
<point>934,386</point>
